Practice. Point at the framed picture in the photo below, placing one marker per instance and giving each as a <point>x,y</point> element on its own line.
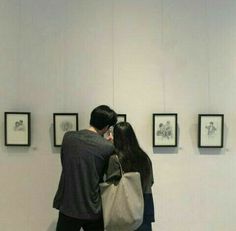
<point>62,123</point>
<point>121,118</point>
<point>17,129</point>
<point>165,130</point>
<point>210,130</point>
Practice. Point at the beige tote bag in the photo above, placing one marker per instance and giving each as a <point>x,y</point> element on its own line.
<point>122,202</point>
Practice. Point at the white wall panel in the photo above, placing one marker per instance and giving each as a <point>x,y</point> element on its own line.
<point>140,57</point>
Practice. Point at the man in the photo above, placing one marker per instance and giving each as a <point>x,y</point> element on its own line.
<point>84,157</point>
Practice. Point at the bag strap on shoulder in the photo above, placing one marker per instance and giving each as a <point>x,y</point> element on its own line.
<point>121,169</point>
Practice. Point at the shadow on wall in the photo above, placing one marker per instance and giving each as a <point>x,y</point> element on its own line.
<point>55,150</point>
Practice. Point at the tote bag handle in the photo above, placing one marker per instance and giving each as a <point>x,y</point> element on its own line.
<point>121,169</point>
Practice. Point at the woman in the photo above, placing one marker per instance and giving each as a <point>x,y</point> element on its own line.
<point>133,159</point>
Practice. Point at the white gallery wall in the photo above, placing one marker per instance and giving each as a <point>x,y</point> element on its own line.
<point>140,57</point>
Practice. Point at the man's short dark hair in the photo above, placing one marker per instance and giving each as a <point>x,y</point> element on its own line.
<point>103,116</point>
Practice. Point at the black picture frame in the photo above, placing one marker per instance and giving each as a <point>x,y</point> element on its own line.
<point>121,118</point>
<point>62,123</point>
<point>165,129</point>
<point>17,128</point>
<point>210,130</point>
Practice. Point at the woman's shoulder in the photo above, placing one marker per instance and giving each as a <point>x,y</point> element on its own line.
<point>113,171</point>
<point>114,159</point>
<point>113,156</point>
<point>148,159</point>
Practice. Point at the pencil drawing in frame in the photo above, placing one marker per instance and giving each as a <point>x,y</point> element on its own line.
<point>62,123</point>
<point>210,130</point>
<point>121,118</point>
<point>17,128</point>
<point>165,129</point>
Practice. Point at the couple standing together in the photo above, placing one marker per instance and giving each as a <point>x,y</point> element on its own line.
<point>87,156</point>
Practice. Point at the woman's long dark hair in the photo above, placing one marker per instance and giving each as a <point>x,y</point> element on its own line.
<point>132,157</point>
